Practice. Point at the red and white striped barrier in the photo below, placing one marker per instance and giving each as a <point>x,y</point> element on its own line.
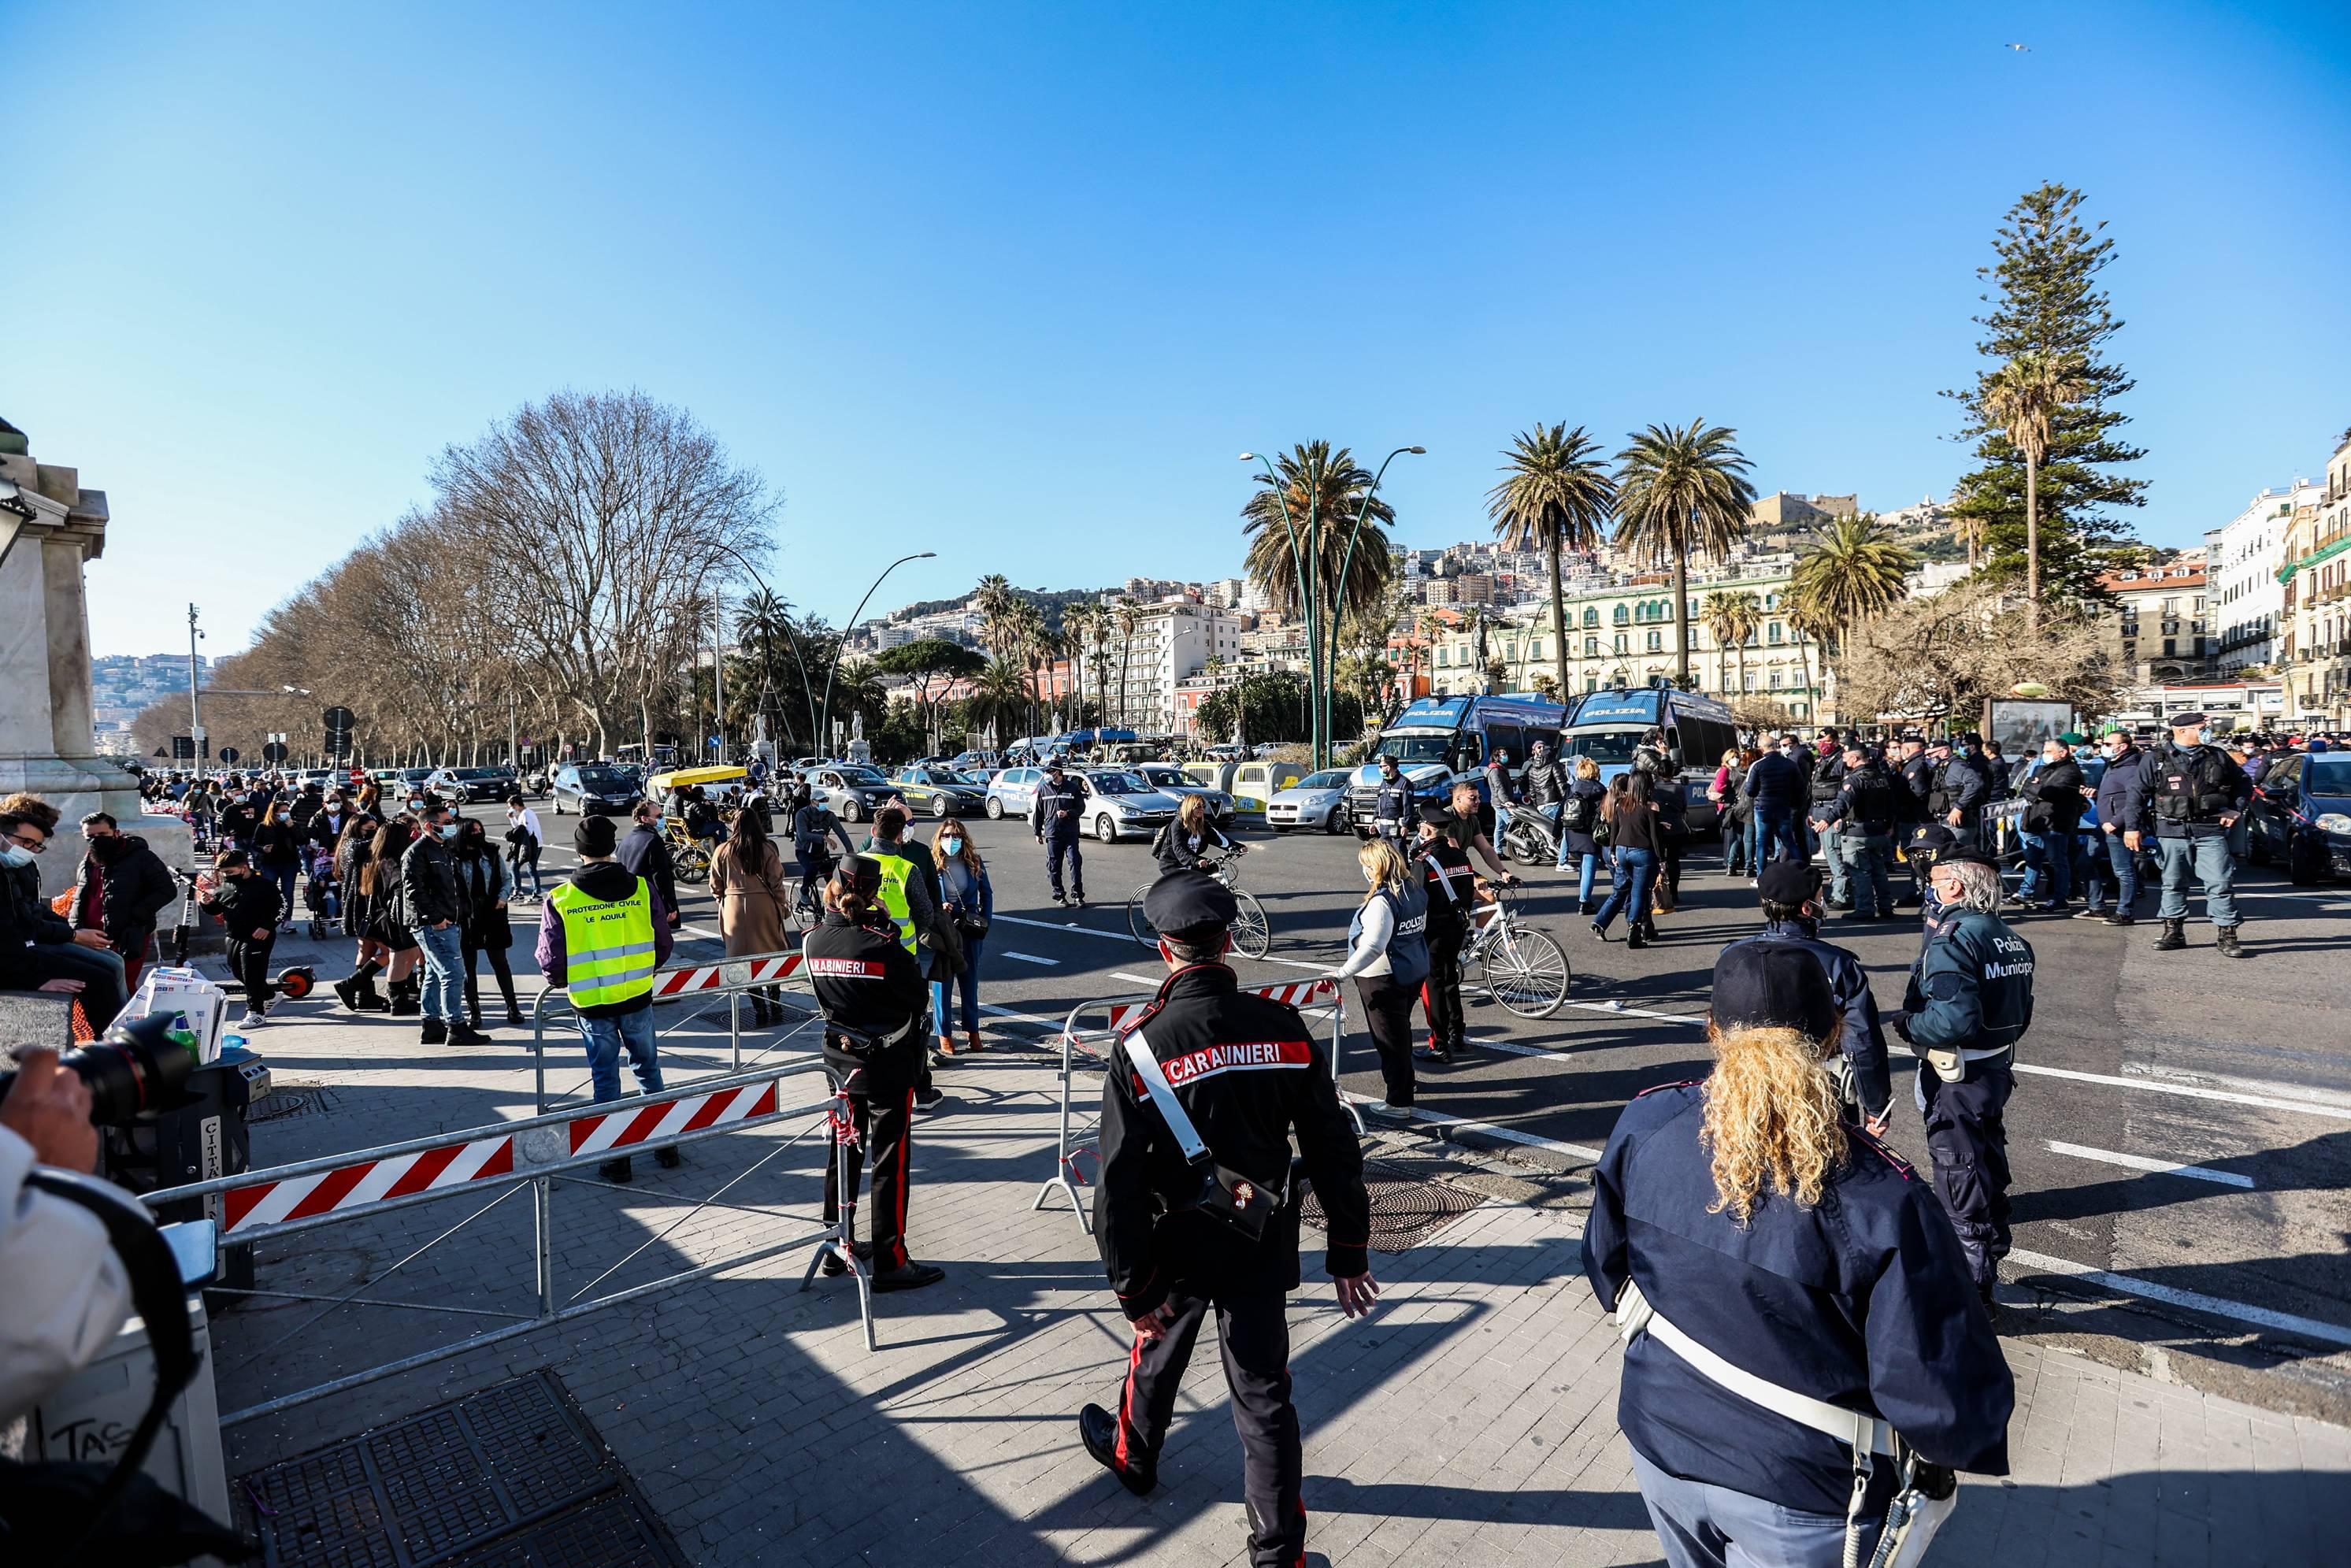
<point>365,1182</point>
<point>1295,993</point>
<point>733,972</point>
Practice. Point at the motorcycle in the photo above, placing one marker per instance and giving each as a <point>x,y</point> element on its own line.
<point>1531,836</point>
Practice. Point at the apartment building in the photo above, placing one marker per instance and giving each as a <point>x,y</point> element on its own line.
<point>2242,559</point>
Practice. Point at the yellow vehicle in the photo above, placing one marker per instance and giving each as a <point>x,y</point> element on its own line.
<point>1255,783</point>
<point>685,777</point>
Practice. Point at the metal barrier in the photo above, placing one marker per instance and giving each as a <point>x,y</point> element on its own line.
<point>1117,1017</point>
<point>286,1200</point>
<point>730,977</point>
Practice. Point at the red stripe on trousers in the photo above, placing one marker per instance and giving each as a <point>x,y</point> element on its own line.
<point>1127,1400</point>
<point>905,1143</point>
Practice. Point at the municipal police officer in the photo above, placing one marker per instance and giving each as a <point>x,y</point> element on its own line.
<point>1791,894</point>
<point>1969,1000</point>
<point>867,982</point>
<point>1392,802</point>
<point>1198,1107</point>
<point>1960,792</point>
<point>2195,795</point>
<point>1060,803</point>
<point>1783,1287</point>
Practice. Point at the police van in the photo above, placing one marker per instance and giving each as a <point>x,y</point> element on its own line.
<point>1437,740</point>
<point>1608,727</point>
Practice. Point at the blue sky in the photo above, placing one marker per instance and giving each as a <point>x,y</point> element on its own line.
<point>1015,283</point>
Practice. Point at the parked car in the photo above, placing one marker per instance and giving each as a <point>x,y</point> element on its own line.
<point>984,763</point>
<point>1225,753</point>
<point>939,791</point>
<point>472,783</point>
<point>853,792</point>
<point>594,789</point>
<point>1170,779</point>
<point>1119,803</point>
<point>1013,792</point>
<point>1317,800</point>
<point>2301,816</point>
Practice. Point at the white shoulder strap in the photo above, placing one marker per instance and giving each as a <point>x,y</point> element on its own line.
<point>1636,1315</point>
<point>1161,1093</point>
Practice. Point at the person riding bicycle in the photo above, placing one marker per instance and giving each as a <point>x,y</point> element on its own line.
<point>814,830</point>
<point>1182,843</point>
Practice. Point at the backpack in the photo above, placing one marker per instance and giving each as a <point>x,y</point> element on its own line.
<point>1577,813</point>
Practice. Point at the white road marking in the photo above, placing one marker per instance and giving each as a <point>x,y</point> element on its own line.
<point>2218,1307</point>
<point>1138,979</point>
<point>2192,1091</point>
<point>1127,939</point>
<point>1051,1026</point>
<point>2141,1162</point>
<point>1507,1134</point>
<point>1032,958</point>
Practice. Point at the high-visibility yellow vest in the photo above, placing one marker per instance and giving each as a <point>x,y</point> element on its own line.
<point>895,870</point>
<point>608,948</point>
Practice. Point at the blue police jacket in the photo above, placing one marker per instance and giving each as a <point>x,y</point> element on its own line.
<point>1972,988</point>
<point>1865,1037</point>
<point>1864,1300</point>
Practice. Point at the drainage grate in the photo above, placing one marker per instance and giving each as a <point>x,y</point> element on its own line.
<point>1406,1209</point>
<point>290,1099</point>
<point>513,1477</point>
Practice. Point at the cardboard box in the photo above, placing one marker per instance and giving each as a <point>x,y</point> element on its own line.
<point>200,1002</point>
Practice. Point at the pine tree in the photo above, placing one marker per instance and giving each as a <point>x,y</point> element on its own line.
<point>2046,301</point>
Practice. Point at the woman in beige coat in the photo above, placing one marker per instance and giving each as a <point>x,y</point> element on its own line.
<point>747,878</point>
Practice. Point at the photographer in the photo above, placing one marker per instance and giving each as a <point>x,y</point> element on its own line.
<point>67,1293</point>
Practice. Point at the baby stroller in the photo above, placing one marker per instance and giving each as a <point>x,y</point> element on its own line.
<point>323,896</point>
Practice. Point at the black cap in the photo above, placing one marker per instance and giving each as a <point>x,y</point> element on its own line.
<point>1972,738</point>
<point>1772,984</point>
<point>594,836</point>
<point>1913,735</point>
<point>864,874</point>
<point>1189,905</point>
<point>1967,852</point>
<point>1052,764</point>
<point>1783,880</point>
<point>2188,720</point>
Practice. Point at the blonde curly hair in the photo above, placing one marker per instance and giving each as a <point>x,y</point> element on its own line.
<point>1771,1118</point>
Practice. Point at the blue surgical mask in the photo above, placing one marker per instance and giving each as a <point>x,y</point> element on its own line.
<point>14,855</point>
<point>449,829</point>
<point>952,846</point>
<point>416,805</point>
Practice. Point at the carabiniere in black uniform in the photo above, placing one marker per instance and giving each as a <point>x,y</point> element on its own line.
<point>1247,1072</point>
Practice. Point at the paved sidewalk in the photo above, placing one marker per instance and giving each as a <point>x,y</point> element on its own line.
<point>1470,1419</point>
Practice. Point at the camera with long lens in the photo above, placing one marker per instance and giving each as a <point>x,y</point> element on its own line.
<point>135,1067</point>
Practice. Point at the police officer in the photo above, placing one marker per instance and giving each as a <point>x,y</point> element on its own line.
<point>1449,885</point>
<point>1821,795</point>
<point>1791,918</point>
<point>2196,795</point>
<point>1244,1074</point>
<point>1969,1000</point>
<point>1060,803</point>
<point>866,980</point>
<point>1770,1323</point>
<point>1961,789</point>
<point>1863,812</point>
<point>1392,802</point>
<point>1917,774</point>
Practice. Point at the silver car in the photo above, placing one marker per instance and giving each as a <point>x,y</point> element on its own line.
<point>1119,803</point>
<point>854,793</point>
<point>1170,780</point>
<point>1317,800</point>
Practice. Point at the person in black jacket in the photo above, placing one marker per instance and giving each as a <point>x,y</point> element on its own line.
<point>815,831</point>
<point>277,849</point>
<point>483,890</point>
<point>2056,793</point>
<point>38,951</point>
<point>122,889</point>
<point>1055,818</point>
<point>1244,1072</point>
<point>870,986</point>
<point>644,852</point>
<point>435,905</point>
<point>2121,819</point>
<point>246,903</point>
<point>1862,813</point>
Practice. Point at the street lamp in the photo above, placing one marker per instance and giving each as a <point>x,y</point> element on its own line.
<point>1320,680</point>
<point>798,653</point>
<point>824,721</point>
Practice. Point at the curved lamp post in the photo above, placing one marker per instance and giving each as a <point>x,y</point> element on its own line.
<point>1320,680</point>
<point>825,720</point>
<point>815,738</point>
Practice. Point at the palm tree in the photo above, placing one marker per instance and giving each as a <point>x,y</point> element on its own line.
<point>1317,481</point>
<point>999,698</point>
<point>1130,616</point>
<point>1099,620</point>
<point>2022,397</point>
<point>1731,614</point>
<point>1558,497</point>
<point>1682,490</point>
<point>1855,573</point>
<point>1078,630</point>
<point>995,599</point>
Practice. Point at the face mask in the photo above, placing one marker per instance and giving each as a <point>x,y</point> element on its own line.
<point>14,855</point>
<point>1370,880</point>
<point>952,846</point>
<point>416,805</point>
<point>449,829</point>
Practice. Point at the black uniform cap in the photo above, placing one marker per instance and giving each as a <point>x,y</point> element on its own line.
<point>2188,720</point>
<point>864,874</point>
<point>1967,852</point>
<point>1189,906</point>
<point>1773,986</point>
<point>1783,880</point>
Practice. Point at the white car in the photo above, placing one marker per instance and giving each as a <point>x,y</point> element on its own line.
<point>1119,803</point>
<point>1317,800</point>
<point>1169,779</point>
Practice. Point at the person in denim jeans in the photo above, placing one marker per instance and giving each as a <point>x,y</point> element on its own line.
<point>435,906</point>
<point>1776,785</point>
<point>1576,845</point>
<point>2196,795</point>
<point>969,899</point>
<point>1634,832</point>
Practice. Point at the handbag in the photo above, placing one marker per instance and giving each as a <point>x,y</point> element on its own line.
<point>1243,1205</point>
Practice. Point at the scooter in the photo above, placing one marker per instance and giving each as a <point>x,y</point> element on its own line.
<point>1531,836</point>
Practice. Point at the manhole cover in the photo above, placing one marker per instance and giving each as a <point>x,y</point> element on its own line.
<point>292,1100</point>
<point>511,1476</point>
<point>1405,1208</point>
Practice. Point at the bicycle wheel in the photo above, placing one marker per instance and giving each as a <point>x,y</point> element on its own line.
<point>1527,972</point>
<point>1135,922</point>
<point>1252,937</point>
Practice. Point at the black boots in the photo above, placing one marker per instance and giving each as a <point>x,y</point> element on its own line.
<point>405,1001</point>
<point>2174,937</point>
<point>465,1035</point>
<point>615,1170</point>
<point>357,990</point>
<point>1097,1429</point>
<point>436,1033</point>
<point>2228,948</point>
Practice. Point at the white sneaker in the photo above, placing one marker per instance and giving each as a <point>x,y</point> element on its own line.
<point>251,1020</point>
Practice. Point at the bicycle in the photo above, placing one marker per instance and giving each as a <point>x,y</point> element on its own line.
<point>1524,970</point>
<point>689,855</point>
<point>1253,936</point>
